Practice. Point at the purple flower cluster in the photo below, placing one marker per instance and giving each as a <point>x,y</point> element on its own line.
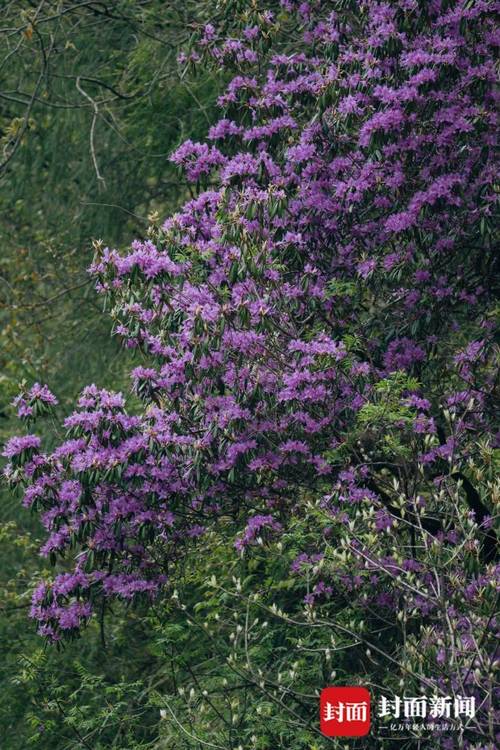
<point>36,401</point>
<point>255,529</point>
<point>23,444</point>
<point>314,326</point>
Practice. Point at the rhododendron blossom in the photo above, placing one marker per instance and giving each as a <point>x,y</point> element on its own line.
<point>309,321</point>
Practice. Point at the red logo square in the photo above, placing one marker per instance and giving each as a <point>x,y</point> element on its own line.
<point>344,711</point>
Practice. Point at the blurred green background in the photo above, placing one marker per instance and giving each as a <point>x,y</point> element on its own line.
<point>91,105</point>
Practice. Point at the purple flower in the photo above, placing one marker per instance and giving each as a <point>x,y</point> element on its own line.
<point>254,528</point>
<point>16,445</point>
<point>402,353</point>
<point>346,235</point>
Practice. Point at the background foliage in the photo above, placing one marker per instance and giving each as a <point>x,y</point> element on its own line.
<point>62,185</point>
